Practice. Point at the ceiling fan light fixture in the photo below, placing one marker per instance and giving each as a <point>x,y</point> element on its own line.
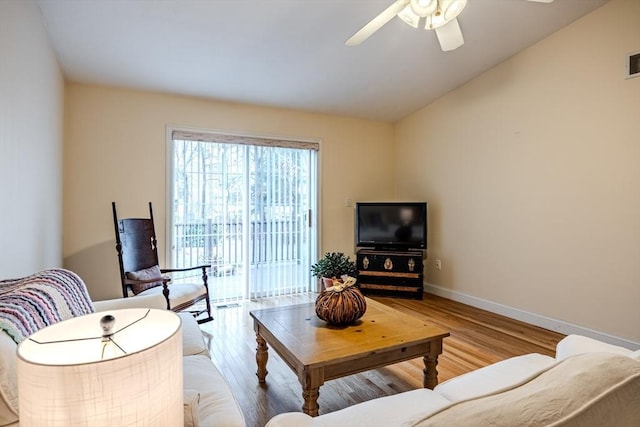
<point>423,8</point>
<point>409,17</point>
<point>436,20</point>
<point>450,36</point>
<point>447,11</point>
<point>452,8</point>
<point>439,15</point>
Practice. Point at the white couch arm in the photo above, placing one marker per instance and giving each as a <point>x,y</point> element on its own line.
<point>144,301</point>
<point>572,345</point>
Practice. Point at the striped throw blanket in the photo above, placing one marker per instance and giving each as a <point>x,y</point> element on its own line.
<point>34,302</point>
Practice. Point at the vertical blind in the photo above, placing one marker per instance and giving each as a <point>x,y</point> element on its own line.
<point>243,205</point>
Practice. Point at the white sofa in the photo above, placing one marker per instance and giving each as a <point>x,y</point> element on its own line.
<point>208,400</point>
<point>588,383</point>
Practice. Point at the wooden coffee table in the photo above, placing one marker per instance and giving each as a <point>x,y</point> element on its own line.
<point>317,352</point>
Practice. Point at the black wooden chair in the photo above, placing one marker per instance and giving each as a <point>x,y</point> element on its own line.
<point>140,273</point>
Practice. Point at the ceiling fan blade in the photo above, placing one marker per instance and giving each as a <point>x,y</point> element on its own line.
<point>450,35</point>
<point>376,23</point>
<point>542,1</point>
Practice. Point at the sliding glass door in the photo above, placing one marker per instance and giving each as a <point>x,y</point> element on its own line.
<point>245,206</point>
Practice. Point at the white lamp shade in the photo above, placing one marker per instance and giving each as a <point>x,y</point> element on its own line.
<point>64,383</point>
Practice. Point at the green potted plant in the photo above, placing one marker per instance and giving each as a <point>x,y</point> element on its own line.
<point>333,265</point>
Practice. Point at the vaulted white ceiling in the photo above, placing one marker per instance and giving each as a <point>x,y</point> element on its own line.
<point>290,53</point>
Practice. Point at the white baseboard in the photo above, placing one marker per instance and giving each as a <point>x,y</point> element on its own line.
<point>531,318</point>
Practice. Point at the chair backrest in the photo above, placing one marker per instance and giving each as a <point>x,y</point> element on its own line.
<point>136,244</point>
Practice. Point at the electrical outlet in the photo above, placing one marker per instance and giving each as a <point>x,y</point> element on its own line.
<point>438,264</point>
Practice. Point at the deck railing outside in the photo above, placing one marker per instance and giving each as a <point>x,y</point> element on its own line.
<point>273,246</point>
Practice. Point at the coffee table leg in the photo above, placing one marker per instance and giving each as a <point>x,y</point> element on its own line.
<point>310,396</point>
<point>311,380</point>
<point>262,355</point>
<point>430,373</point>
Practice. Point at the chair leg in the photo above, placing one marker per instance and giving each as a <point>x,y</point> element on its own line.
<point>208,312</point>
<point>205,281</point>
<point>205,320</point>
<point>165,292</point>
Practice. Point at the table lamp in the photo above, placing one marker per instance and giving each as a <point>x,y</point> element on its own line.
<point>117,368</point>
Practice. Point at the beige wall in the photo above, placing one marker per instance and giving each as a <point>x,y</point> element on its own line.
<point>532,171</point>
<point>31,106</point>
<point>115,142</point>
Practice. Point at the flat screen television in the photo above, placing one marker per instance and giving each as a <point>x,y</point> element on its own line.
<point>391,225</point>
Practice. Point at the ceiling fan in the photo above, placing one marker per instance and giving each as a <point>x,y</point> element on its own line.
<point>439,15</point>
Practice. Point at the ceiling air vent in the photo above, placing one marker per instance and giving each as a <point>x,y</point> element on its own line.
<point>632,65</point>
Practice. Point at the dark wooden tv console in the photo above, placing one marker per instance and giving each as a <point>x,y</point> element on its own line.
<point>391,273</point>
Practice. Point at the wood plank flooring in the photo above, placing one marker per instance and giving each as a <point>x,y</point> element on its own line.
<point>478,338</point>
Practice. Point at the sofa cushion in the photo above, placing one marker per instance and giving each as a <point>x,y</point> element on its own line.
<point>381,412</point>
<point>296,419</point>
<point>179,293</point>
<point>191,408</point>
<point>496,377</point>
<point>144,274</point>
<point>217,405</point>
<point>192,339</point>
<point>587,390</point>
<point>388,410</point>
<point>141,301</point>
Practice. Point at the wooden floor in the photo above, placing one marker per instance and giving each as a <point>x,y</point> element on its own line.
<point>478,338</point>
